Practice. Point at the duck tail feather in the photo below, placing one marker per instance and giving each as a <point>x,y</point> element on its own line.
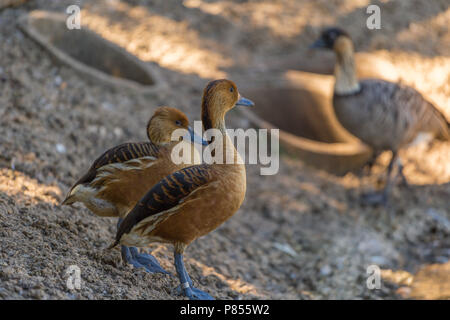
<point>116,242</point>
<point>70,199</point>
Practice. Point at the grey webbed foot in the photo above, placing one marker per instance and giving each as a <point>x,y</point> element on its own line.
<point>186,287</point>
<point>141,260</point>
<point>197,294</point>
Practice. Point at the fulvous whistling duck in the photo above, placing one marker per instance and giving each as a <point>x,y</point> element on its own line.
<point>193,201</point>
<point>384,115</point>
<point>122,175</point>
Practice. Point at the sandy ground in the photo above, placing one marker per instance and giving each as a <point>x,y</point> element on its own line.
<point>301,234</point>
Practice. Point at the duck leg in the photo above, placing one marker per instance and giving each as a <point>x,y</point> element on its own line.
<point>367,168</point>
<point>186,285</point>
<point>401,173</point>
<point>377,198</point>
<point>140,260</point>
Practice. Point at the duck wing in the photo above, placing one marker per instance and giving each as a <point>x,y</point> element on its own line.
<point>435,121</point>
<point>165,195</point>
<point>388,115</point>
<point>119,154</point>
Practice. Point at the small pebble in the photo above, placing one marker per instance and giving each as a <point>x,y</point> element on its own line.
<point>58,80</point>
<point>108,106</point>
<point>379,261</point>
<point>284,247</point>
<point>325,270</point>
<point>118,132</point>
<point>60,148</point>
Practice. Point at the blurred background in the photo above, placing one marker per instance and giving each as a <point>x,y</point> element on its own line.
<point>301,234</point>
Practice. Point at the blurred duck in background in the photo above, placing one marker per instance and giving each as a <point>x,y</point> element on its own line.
<point>193,201</point>
<point>384,115</point>
<point>122,175</point>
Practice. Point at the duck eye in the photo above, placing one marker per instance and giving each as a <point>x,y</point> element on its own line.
<point>231,89</point>
<point>178,123</point>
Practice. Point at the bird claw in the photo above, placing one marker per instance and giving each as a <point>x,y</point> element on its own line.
<point>142,260</point>
<point>196,294</point>
<point>375,198</point>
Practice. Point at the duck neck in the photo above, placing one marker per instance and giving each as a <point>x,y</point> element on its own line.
<point>160,139</point>
<point>212,118</point>
<point>215,122</point>
<point>344,71</point>
<point>219,124</point>
<point>228,151</point>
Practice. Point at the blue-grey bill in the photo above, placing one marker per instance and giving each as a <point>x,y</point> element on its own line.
<point>195,138</point>
<point>245,102</point>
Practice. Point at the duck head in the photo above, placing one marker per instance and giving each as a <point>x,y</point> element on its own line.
<point>339,41</point>
<point>333,39</point>
<point>164,122</point>
<point>220,96</point>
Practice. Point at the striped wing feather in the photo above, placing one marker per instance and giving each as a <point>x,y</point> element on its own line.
<point>165,195</point>
<point>119,154</point>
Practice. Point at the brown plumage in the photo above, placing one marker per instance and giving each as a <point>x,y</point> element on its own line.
<point>384,115</point>
<point>193,201</point>
<point>121,175</point>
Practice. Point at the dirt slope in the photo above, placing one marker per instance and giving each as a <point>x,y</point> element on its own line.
<point>301,234</point>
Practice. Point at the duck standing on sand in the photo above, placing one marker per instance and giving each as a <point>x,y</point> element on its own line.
<point>120,176</point>
<point>384,115</point>
<point>193,201</point>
